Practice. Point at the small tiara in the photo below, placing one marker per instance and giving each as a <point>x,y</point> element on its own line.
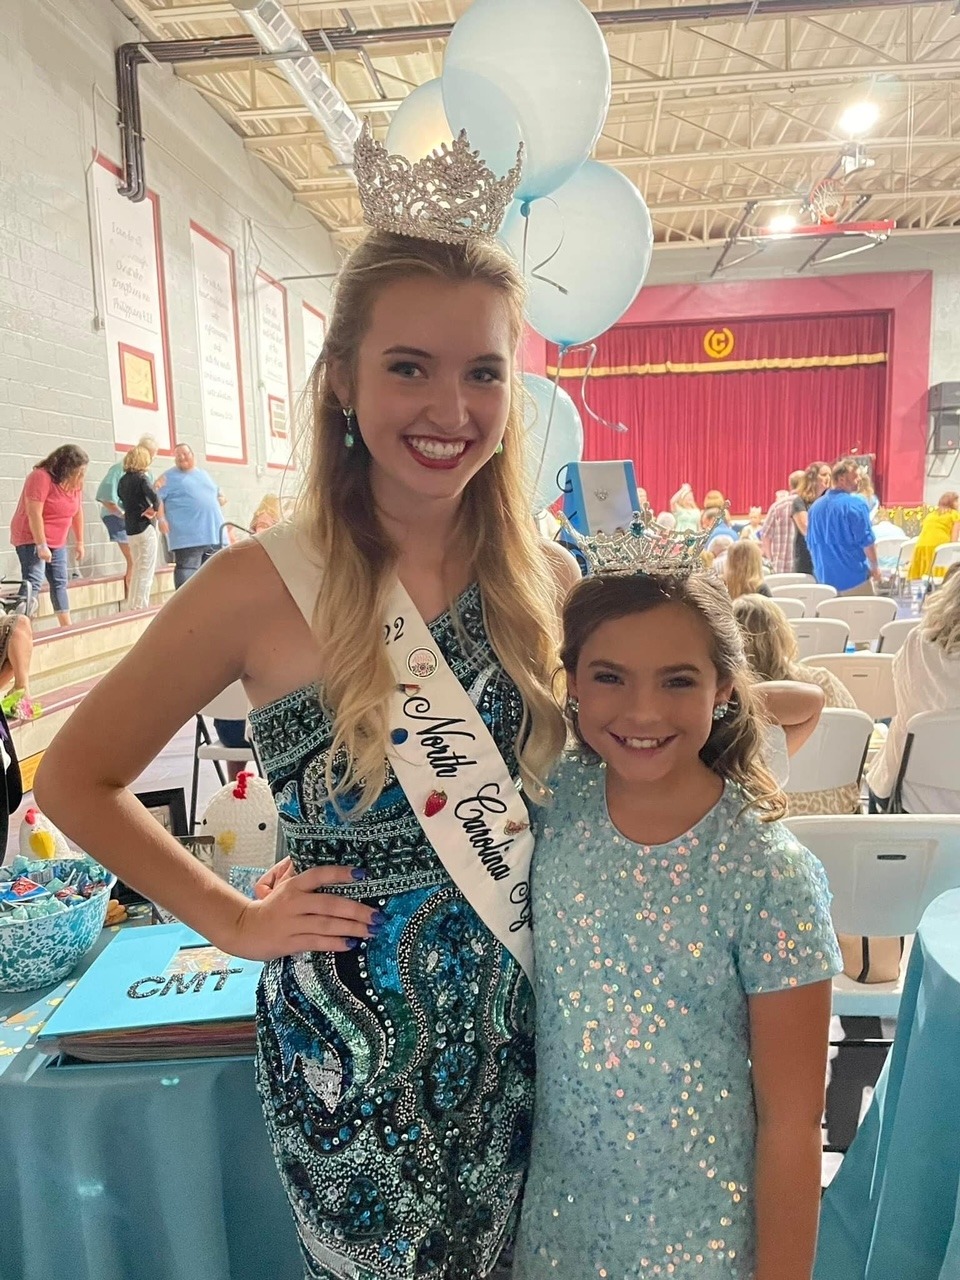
<point>450,195</point>
<point>643,547</point>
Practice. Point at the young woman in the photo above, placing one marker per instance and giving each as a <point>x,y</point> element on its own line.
<point>395,1019</point>
<point>816,480</point>
<point>743,570</point>
<point>939,526</point>
<point>684,953</point>
<point>49,510</point>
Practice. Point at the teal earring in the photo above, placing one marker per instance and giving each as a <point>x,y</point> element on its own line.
<point>499,448</point>
<point>349,439</point>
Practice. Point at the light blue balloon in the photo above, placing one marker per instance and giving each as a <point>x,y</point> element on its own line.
<point>541,65</point>
<point>549,451</point>
<point>595,238</point>
<point>419,125</point>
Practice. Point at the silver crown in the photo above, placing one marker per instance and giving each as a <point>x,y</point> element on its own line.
<point>450,195</point>
<point>643,547</point>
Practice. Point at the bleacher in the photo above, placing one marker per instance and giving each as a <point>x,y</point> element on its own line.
<point>68,662</point>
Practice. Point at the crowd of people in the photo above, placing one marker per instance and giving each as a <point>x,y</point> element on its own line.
<point>180,510</point>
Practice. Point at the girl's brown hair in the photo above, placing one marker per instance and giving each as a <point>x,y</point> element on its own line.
<point>810,488</point>
<point>733,750</point>
<point>743,569</point>
<point>495,524</point>
<point>63,462</point>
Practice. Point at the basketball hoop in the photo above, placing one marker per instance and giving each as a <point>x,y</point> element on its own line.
<point>828,201</point>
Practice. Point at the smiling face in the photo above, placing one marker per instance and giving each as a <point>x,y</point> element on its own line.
<point>183,458</point>
<point>825,476</point>
<point>647,687</point>
<point>432,387</point>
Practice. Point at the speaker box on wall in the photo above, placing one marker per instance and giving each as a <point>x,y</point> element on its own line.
<point>945,395</point>
<point>946,432</point>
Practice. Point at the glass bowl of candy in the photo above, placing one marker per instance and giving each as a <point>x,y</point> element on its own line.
<point>51,914</point>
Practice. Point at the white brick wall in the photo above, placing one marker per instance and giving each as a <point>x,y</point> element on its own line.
<point>56,69</point>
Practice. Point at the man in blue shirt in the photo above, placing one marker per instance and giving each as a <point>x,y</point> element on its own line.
<point>189,514</point>
<point>840,536</point>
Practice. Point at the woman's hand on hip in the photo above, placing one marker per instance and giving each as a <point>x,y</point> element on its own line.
<point>291,915</point>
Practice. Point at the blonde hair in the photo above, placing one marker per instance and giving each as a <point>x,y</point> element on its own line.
<point>494,524</point>
<point>768,638</point>
<point>137,459</point>
<point>941,618</point>
<point>743,568</point>
<point>733,750</point>
<point>268,506</point>
<point>150,443</point>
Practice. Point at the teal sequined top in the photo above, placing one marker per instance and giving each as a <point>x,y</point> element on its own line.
<point>643,1148</point>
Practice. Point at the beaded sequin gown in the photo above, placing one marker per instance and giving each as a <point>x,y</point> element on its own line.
<point>643,1145</point>
<point>396,1079</point>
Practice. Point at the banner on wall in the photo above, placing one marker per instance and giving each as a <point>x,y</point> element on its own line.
<point>314,335</point>
<point>218,346</point>
<point>134,311</point>
<point>273,352</point>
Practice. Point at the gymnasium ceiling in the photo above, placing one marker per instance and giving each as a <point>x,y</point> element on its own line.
<point>706,116</point>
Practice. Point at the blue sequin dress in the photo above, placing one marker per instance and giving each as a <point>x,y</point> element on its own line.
<point>643,1146</point>
<point>396,1079</point>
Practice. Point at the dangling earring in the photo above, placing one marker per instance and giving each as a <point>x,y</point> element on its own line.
<point>573,707</point>
<point>499,448</point>
<point>720,710</point>
<point>348,439</point>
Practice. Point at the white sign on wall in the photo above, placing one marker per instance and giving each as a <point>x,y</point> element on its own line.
<point>218,345</point>
<point>314,334</point>
<point>134,319</point>
<point>273,353</point>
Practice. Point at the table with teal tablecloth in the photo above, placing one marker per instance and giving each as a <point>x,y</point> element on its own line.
<point>140,1171</point>
<point>893,1210</point>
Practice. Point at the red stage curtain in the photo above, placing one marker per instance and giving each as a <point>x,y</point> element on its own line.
<point>741,430</point>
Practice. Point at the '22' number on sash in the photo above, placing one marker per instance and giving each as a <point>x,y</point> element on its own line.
<point>393,631</point>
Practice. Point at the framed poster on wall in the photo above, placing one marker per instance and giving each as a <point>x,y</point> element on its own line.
<point>218,347</point>
<point>273,354</point>
<point>130,266</point>
<point>314,335</point>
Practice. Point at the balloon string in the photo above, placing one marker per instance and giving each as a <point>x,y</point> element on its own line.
<point>546,434</point>
<point>535,273</point>
<point>614,426</point>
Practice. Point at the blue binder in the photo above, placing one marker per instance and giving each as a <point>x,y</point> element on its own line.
<point>600,497</point>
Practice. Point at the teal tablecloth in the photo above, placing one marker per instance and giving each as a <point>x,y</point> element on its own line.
<point>893,1210</point>
<point>149,1171</point>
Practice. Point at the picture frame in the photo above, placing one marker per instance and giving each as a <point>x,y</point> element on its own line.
<point>169,807</point>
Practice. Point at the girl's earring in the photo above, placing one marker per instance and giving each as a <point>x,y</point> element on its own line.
<point>720,710</point>
<point>349,439</point>
<point>573,707</point>
<point>499,448</point>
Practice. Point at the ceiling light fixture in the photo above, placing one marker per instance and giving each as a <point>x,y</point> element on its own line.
<point>278,33</point>
<point>859,119</point>
<point>782,224</point>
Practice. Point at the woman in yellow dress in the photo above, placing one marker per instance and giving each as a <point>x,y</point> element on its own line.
<point>940,526</point>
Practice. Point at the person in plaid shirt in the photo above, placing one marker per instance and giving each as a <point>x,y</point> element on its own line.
<point>778,532</point>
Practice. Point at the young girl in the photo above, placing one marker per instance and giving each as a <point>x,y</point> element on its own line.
<point>684,953</point>
<point>743,570</point>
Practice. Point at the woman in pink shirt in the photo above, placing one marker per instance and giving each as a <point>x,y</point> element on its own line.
<point>51,504</point>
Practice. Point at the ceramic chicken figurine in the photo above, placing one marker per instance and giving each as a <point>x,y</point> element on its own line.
<point>39,838</point>
<point>242,818</point>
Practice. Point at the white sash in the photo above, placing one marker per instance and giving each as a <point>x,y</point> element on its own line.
<point>445,759</point>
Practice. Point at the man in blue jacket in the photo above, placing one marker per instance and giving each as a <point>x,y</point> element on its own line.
<point>840,536</point>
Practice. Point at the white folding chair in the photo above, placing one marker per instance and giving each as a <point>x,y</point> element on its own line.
<point>867,676</point>
<point>884,871</point>
<point>904,556</point>
<point>787,579</point>
<point>790,607</point>
<point>811,593</point>
<point>864,615</point>
<point>893,634</point>
<point>834,754</point>
<point>819,635</point>
<point>929,759</point>
<point>231,704</point>
<point>944,556</point>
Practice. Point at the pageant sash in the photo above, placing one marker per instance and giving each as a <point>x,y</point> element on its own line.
<point>444,757</point>
<point>457,782</point>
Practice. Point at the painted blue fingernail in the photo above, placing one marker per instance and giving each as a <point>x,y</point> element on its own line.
<point>352,943</point>
<point>379,918</point>
<point>374,929</point>
<point>358,873</point>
